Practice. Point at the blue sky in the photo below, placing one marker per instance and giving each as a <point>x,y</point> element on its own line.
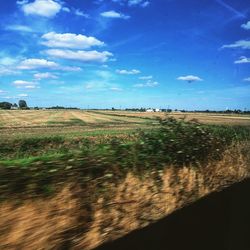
<point>126,53</point>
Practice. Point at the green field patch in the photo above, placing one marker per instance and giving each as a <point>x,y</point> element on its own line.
<point>71,122</point>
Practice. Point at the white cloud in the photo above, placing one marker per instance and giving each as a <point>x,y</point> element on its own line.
<point>2,91</point>
<point>141,3</point>
<point>243,44</point>
<point>16,27</point>
<point>45,75</point>
<point>36,64</point>
<point>242,59</point>
<point>44,8</point>
<point>7,61</point>
<point>66,9</point>
<point>147,84</point>
<point>247,79</point>
<point>128,72</point>
<point>69,68</point>
<point>114,14</point>
<point>145,4</point>
<point>80,55</point>
<point>80,13</point>
<point>146,77</point>
<point>30,87</point>
<point>25,84</point>
<point>246,26</point>
<point>7,71</point>
<point>189,78</point>
<point>21,82</point>
<point>23,95</point>
<point>70,40</point>
<point>22,2</point>
<point>115,89</point>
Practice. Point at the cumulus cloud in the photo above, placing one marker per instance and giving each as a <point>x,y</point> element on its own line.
<point>242,59</point>
<point>149,83</point>
<point>36,64</point>
<point>70,40</point>
<point>114,14</point>
<point>44,8</point>
<point>146,77</point>
<point>16,27</point>
<point>246,26</point>
<point>80,55</point>
<point>128,72</point>
<point>189,78</point>
<point>243,44</point>
<point>23,95</point>
<point>46,75</point>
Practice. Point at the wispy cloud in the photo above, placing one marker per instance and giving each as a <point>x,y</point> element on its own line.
<point>17,27</point>
<point>243,44</point>
<point>81,13</point>
<point>189,78</point>
<point>128,72</point>
<point>145,77</point>
<point>230,8</point>
<point>80,55</point>
<point>114,14</point>
<point>23,95</point>
<point>34,63</point>
<point>242,59</point>
<point>149,83</point>
<point>247,79</point>
<point>141,3</point>
<point>25,84</point>
<point>46,75</point>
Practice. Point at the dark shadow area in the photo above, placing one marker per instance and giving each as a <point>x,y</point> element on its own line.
<point>219,221</point>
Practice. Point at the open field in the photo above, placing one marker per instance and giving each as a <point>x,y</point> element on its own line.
<point>75,179</point>
<point>30,123</point>
<point>209,118</point>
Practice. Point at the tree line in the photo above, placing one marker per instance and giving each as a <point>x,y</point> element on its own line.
<point>22,104</point>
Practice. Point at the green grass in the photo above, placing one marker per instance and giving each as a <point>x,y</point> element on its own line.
<point>43,162</point>
<point>71,122</point>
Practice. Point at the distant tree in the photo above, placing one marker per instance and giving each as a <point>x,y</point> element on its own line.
<point>22,104</point>
<point>5,105</point>
<point>15,105</point>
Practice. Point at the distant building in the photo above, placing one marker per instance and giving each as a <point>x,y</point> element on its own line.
<point>149,110</point>
<point>157,110</point>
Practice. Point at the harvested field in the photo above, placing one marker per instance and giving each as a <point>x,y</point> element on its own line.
<point>73,179</point>
<point>211,118</point>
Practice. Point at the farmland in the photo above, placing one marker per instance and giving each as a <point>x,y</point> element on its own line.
<point>101,174</point>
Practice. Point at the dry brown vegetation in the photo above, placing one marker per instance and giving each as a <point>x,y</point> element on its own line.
<point>82,218</point>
